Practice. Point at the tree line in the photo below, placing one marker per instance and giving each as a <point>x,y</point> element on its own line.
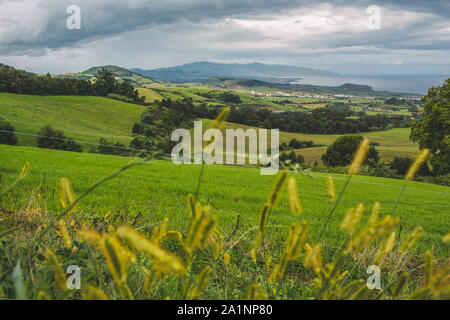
<point>18,81</point>
<point>318,121</point>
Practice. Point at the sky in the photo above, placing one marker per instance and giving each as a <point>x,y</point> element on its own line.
<point>412,37</point>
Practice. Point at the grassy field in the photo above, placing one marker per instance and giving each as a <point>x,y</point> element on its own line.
<point>160,188</point>
<point>393,142</point>
<point>81,118</point>
<point>143,196</point>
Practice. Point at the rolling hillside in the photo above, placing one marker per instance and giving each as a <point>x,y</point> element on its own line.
<point>392,143</point>
<point>137,80</point>
<point>92,118</point>
<point>81,118</point>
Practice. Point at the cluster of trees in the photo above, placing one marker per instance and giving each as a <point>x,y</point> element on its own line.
<point>292,158</point>
<point>112,148</point>
<point>342,151</point>
<point>295,144</point>
<point>400,166</point>
<point>17,81</point>
<point>50,138</point>
<point>158,122</point>
<point>7,135</point>
<point>226,97</point>
<point>319,121</point>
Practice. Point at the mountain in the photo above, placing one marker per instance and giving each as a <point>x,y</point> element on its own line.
<point>198,71</point>
<point>136,79</point>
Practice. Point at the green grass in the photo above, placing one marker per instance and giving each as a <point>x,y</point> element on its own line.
<point>160,189</point>
<point>149,94</point>
<point>81,118</point>
<point>393,142</point>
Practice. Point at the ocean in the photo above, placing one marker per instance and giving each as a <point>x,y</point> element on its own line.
<point>418,84</point>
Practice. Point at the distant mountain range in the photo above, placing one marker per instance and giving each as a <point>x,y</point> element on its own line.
<point>198,71</point>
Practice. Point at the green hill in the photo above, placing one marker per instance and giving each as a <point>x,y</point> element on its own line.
<point>137,80</point>
<point>80,117</point>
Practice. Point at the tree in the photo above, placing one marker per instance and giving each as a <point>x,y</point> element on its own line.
<point>341,152</point>
<point>50,138</point>
<point>433,132</point>
<point>106,82</point>
<point>402,164</point>
<point>7,136</point>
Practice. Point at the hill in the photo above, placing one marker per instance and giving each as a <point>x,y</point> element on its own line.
<point>198,71</point>
<point>80,117</point>
<point>137,80</point>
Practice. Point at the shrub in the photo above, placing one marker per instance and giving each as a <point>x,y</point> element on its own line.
<point>111,148</point>
<point>7,137</point>
<point>50,138</point>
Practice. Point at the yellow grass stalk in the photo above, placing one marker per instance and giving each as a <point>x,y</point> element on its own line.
<point>417,164</point>
<point>200,284</point>
<point>191,205</point>
<point>253,255</point>
<point>227,258</point>
<point>107,215</point>
<point>201,229</point>
<point>24,171</point>
<point>313,258</point>
<point>400,285</point>
<point>428,268</point>
<point>359,158</point>
<point>149,279</point>
<point>116,259</point>
<point>256,292</point>
<point>446,238</point>
<point>294,244</point>
<point>42,295</point>
<point>263,217</point>
<point>390,242</point>
<point>411,240</point>
<point>375,214</point>
<point>277,188</point>
<point>58,272</point>
<point>352,219</point>
<point>294,201</point>
<point>161,258</point>
<point>371,233</point>
<point>64,233</point>
<point>330,188</point>
<point>66,193</point>
<point>268,262</point>
<point>218,244</point>
<point>384,249</point>
<point>93,293</point>
<point>91,237</point>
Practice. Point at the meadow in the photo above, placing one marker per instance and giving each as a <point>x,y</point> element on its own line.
<point>144,196</point>
<point>81,118</point>
<point>392,143</point>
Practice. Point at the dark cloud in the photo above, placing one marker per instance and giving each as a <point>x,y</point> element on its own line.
<point>128,32</point>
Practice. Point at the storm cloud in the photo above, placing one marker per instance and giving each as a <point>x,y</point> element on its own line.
<point>146,34</point>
